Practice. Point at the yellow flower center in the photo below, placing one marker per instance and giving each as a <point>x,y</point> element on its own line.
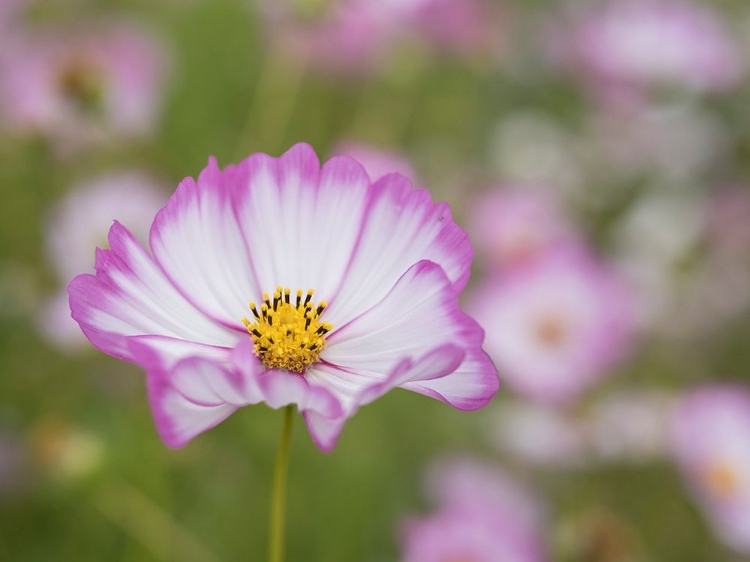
<point>288,335</point>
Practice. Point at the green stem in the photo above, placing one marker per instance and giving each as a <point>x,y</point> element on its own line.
<point>278,495</point>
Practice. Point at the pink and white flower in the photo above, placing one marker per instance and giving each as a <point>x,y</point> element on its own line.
<point>710,442</point>
<point>81,87</point>
<point>484,515</point>
<point>625,48</point>
<point>81,222</point>
<point>386,265</point>
<point>555,326</point>
<point>512,226</point>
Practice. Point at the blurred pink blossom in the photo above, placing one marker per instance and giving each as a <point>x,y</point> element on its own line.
<point>710,442</point>
<point>79,224</point>
<point>462,26</point>
<point>377,162</point>
<point>464,481</point>
<point>512,226</point>
<point>555,326</point>
<point>625,48</point>
<point>355,36</point>
<point>483,516</point>
<point>83,86</point>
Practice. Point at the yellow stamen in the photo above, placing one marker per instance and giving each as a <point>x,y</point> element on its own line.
<point>288,335</point>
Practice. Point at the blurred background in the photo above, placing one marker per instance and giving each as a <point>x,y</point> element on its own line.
<point>596,151</point>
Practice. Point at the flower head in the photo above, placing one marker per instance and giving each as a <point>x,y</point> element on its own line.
<point>710,442</point>
<point>555,326</point>
<point>78,88</point>
<point>483,515</point>
<point>630,46</point>
<point>282,282</point>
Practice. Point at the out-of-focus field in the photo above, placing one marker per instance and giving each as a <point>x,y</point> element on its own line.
<point>83,473</point>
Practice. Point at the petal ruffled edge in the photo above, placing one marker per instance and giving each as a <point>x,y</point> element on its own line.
<point>423,290</point>
<point>130,296</point>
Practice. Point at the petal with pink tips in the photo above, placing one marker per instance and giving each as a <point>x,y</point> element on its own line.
<point>300,222</point>
<point>435,364</point>
<point>130,296</point>
<point>418,315</point>
<point>402,226</point>
<point>197,241</point>
<point>193,397</point>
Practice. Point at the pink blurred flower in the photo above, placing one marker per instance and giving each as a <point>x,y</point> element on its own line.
<point>377,162</point>
<point>344,36</point>
<point>625,48</point>
<point>386,263</point>
<point>468,482</point>
<point>355,36</point>
<point>80,223</point>
<point>484,516</point>
<point>711,446</point>
<point>85,86</point>
<point>556,326</point>
<point>512,226</point>
<point>462,26</point>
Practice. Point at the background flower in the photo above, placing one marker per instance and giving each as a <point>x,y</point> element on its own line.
<point>712,452</point>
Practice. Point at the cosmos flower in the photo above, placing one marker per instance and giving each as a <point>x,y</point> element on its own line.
<point>78,224</point>
<point>555,326</point>
<point>626,48</point>
<point>83,87</point>
<point>513,226</point>
<point>352,289</point>
<point>710,443</point>
<point>483,515</point>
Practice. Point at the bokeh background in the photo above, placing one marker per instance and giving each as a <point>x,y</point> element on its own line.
<point>597,153</point>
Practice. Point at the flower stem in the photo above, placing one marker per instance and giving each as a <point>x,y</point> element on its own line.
<point>278,495</point>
